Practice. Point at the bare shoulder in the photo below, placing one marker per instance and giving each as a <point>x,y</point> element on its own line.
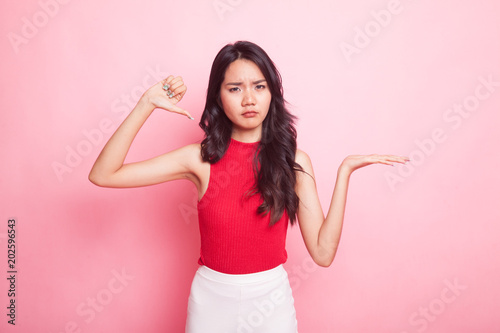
<point>192,154</point>
<point>199,168</point>
<point>193,149</point>
<point>303,160</point>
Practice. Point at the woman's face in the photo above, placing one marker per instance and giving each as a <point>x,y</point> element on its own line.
<point>245,98</point>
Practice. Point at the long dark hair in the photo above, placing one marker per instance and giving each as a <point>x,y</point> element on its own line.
<point>275,178</point>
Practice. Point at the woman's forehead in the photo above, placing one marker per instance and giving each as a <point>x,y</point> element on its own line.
<point>243,70</point>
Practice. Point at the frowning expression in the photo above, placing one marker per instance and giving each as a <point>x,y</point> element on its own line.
<point>245,97</point>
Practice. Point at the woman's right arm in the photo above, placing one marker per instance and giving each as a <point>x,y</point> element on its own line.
<point>109,169</point>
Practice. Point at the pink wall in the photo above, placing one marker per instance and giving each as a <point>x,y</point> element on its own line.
<point>420,246</point>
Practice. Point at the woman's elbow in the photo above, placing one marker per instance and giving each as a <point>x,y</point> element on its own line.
<point>323,262</point>
<point>97,179</point>
<point>93,179</point>
<point>324,258</point>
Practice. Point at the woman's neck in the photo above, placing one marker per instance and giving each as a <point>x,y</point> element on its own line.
<point>246,136</point>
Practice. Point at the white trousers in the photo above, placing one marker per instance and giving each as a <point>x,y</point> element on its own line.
<point>241,303</point>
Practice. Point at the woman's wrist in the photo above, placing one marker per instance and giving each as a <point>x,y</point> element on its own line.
<point>144,105</point>
<point>344,170</point>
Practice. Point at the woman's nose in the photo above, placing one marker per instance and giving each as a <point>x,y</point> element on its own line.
<point>248,98</point>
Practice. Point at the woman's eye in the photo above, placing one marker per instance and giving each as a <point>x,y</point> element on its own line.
<point>261,86</point>
<point>234,89</point>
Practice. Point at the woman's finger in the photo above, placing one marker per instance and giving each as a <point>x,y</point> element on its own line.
<point>174,87</point>
<point>391,159</point>
<point>168,80</point>
<point>176,109</point>
<point>179,93</point>
<point>166,85</point>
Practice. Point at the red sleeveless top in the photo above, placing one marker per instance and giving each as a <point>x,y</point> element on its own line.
<point>235,239</point>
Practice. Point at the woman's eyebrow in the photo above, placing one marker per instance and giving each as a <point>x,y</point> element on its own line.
<point>240,83</point>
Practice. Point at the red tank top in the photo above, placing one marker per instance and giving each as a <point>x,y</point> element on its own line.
<point>235,239</point>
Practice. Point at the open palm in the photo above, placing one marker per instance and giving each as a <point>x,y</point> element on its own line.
<point>354,162</point>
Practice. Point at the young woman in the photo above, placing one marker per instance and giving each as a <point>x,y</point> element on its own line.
<point>252,181</point>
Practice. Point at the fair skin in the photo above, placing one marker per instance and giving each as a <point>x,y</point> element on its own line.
<point>245,98</point>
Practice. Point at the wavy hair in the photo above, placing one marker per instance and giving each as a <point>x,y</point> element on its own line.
<point>275,178</point>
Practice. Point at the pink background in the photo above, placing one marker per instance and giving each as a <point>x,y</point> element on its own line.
<point>420,248</point>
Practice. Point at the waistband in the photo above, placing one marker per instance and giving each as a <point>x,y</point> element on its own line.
<point>263,276</point>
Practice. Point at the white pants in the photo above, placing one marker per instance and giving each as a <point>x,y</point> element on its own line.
<point>241,303</point>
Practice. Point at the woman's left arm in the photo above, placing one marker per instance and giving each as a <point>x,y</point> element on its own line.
<point>322,235</point>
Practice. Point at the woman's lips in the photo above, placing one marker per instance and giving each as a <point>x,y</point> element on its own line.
<point>250,114</point>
